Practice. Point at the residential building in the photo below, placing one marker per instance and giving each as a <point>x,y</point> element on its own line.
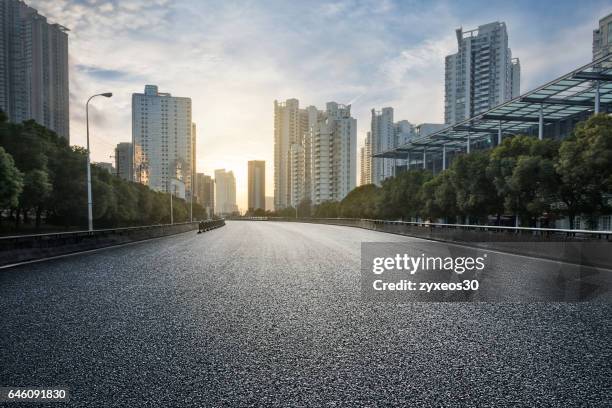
<point>290,123</point>
<point>33,68</point>
<point>300,176</point>
<point>257,185</point>
<point>123,160</point>
<point>382,134</point>
<point>163,137</point>
<point>225,192</point>
<point>386,135</point>
<point>205,192</point>
<point>425,129</point>
<point>366,161</point>
<point>333,154</point>
<point>403,133</point>
<point>296,174</point>
<point>602,37</point>
<point>482,74</point>
<point>269,203</point>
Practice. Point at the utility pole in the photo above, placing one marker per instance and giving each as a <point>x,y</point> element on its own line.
<point>191,194</point>
<point>171,208</point>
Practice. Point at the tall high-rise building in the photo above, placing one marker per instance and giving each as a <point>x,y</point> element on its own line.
<point>33,68</point>
<point>386,135</point>
<point>257,185</point>
<point>205,192</point>
<point>296,174</point>
<point>403,132</point>
<point>333,154</point>
<point>290,123</point>
<point>163,137</point>
<point>366,161</point>
<point>602,37</point>
<point>269,203</point>
<point>300,177</point>
<point>382,133</point>
<point>225,192</point>
<point>481,75</point>
<point>123,160</point>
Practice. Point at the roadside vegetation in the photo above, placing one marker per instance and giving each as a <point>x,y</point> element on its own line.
<point>43,187</point>
<point>525,179</point>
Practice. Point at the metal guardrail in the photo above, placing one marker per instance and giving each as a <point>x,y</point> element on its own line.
<point>86,232</point>
<point>578,233</point>
<point>20,248</point>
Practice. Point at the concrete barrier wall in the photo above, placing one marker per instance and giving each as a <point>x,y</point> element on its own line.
<point>22,248</point>
<point>591,249</point>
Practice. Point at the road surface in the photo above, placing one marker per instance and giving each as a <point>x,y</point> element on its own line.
<point>270,314</point>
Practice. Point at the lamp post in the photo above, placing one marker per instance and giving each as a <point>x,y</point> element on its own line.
<point>171,208</point>
<point>89,197</point>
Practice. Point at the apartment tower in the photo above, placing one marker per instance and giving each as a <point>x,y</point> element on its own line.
<point>33,68</point>
<point>257,185</point>
<point>163,137</point>
<point>481,75</point>
<point>225,192</point>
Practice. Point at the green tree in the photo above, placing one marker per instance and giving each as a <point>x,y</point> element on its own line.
<point>476,196</point>
<point>327,209</point>
<point>36,191</point>
<point>304,209</point>
<point>11,181</point>
<point>401,196</point>
<point>585,168</point>
<point>522,171</point>
<point>439,197</point>
<point>361,202</point>
<point>532,187</point>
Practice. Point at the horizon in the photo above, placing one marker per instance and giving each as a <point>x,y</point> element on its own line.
<point>395,58</point>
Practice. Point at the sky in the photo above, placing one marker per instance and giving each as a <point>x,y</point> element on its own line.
<point>233,59</point>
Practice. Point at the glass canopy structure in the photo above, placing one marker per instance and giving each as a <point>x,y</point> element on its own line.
<point>584,91</point>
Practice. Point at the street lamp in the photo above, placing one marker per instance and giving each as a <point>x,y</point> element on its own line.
<point>89,197</point>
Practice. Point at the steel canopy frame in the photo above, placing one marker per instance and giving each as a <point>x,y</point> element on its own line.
<point>584,89</point>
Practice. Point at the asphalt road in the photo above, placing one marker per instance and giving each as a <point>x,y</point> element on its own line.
<point>271,314</point>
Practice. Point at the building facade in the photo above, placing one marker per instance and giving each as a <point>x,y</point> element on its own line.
<point>333,155</point>
<point>123,161</point>
<point>602,37</point>
<point>290,123</point>
<point>205,192</point>
<point>382,133</point>
<point>257,185</point>
<point>386,134</point>
<point>481,75</point>
<point>225,192</point>
<point>163,137</point>
<point>269,203</point>
<point>315,153</point>
<point>365,161</point>
<point>33,68</point>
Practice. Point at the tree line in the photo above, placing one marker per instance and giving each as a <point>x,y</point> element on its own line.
<point>523,179</point>
<point>43,184</point>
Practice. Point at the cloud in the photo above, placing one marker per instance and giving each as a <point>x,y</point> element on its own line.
<point>234,58</point>
<point>102,74</point>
